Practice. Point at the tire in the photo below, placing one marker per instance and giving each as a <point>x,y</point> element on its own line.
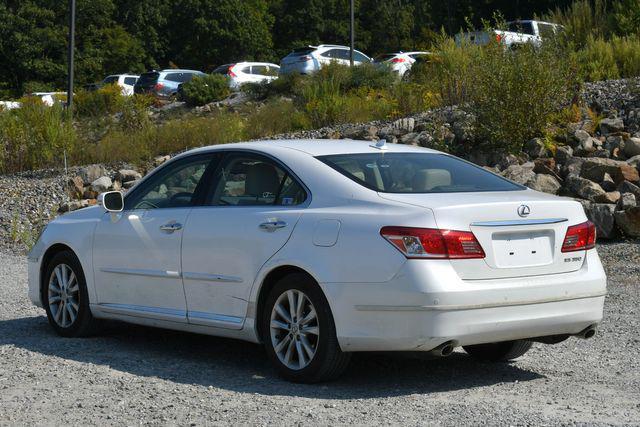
<point>65,266</point>
<point>499,352</point>
<point>305,332</point>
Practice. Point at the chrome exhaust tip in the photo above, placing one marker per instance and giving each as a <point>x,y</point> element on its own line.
<point>587,332</point>
<point>445,349</point>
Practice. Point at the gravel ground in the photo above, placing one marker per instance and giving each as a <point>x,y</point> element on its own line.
<point>134,375</point>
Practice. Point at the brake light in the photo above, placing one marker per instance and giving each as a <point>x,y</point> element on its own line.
<point>580,237</point>
<point>498,38</point>
<point>158,86</point>
<point>304,58</point>
<point>230,71</point>
<point>433,243</point>
<point>397,60</point>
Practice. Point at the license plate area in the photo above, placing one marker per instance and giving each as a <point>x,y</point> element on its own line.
<point>523,249</point>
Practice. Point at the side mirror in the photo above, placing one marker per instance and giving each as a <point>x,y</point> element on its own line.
<point>112,201</point>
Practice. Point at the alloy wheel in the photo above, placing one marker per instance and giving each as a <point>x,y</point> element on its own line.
<point>64,295</point>
<point>295,329</point>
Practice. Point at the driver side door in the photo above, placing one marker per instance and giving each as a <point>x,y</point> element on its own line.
<point>136,253</point>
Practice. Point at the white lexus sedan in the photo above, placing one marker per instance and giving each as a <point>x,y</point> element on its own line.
<point>319,249</point>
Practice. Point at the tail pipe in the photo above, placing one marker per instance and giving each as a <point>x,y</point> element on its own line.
<point>444,349</point>
<point>587,332</point>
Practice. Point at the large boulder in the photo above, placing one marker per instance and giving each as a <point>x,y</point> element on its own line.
<point>626,201</point>
<point>535,148</point>
<point>634,161</point>
<point>76,187</point>
<point>545,183</point>
<point>126,175</point>
<point>521,174</point>
<point>611,125</point>
<point>572,167</point>
<point>596,168</point>
<point>629,221</point>
<point>101,184</point>
<point>405,125</point>
<point>584,188</point>
<point>627,187</point>
<point>602,215</point>
<point>91,173</point>
<point>563,153</point>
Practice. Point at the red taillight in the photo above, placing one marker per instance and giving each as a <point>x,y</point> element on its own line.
<point>397,60</point>
<point>433,243</point>
<point>158,86</point>
<point>304,58</point>
<point>498,38</point>
<point>230,71</point>
<point>580,237</point>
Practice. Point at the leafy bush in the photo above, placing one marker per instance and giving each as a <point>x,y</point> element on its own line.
<point>106,100</point>
<point>276,117</point>
<point>516,93</point>
<point>206,89</point>
<point>35,136</point>
<point>582,20</point>
<point>597,60</point>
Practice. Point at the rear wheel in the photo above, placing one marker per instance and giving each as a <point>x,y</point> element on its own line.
<point>299,332</point>
<point>65,297</point>
<point>499,351</point>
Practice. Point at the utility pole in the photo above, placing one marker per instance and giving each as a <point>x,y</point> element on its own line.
<point>353,30</point>
<point>72,37</point>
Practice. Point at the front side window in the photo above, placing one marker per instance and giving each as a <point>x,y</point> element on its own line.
<point>521,27</point>
<point>130,81</point>
<point>416,173</point>
<point>358,57</point>
<point>253,180</point>
<point>174,186</point>
<point>110,80</point>
<point>546,31</point>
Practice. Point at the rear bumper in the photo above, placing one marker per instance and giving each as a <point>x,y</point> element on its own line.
<point>427,304</point>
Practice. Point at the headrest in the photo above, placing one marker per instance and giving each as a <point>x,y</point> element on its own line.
<point>261,178</point>
<point>428,179</point>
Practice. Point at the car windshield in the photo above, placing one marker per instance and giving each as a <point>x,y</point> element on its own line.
<point>416,173</point>
<point>382,58</point>
<point>521,27</point>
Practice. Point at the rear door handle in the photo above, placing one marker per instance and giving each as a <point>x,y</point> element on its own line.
<point>272,225</point>
<point>171,227</point>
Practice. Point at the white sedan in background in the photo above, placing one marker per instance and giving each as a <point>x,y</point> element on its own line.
<point>319,249</point>
<point>248,72</point>
<point>399,62</point>
<point>125,81</point>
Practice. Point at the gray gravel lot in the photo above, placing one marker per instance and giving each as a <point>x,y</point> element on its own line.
<point>133,375</point>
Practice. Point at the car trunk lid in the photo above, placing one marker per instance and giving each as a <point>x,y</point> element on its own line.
<point>521,232</point>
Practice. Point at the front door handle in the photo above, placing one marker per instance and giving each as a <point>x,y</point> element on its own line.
<point>171,227</point>
<point>272,225</point>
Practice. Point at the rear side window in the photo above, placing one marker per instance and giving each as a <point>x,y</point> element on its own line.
<point>521,27</point>
<point>358,57</point>
<point>148,78</point>
<point>416,173</point>
<point>175,77</point>
<point>253,180</point>
<point>130,81</point>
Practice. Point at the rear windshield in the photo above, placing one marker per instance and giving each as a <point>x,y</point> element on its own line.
<point>301,51</point>
<point>416,173</point>
<point>147,78</point>
<point>382,58</point>
<point>223,69</point>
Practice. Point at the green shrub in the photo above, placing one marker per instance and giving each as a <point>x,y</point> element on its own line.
<point>276,117</point>
<point>516,93</point>
<point>206,89</point>
<point>106,100</point>
<point>35,136</point>
<point>597,60</point>
<point>582,20</point>
<point>626,51</point>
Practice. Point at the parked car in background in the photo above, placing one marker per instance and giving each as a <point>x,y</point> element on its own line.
<point>9,105</point>
<point>318,249</point>
<point>306,60</point>
<point>517,33</point>
<point>248,72</point>
<point>399,62</point>
<point>164,84</point>
<point>50,98</point>
<point>125,81</point>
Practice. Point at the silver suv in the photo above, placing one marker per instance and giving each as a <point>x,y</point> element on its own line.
<point>306,60</point>
<point>165,83</point>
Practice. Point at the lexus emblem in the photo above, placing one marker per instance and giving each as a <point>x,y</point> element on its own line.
<point>524,210</point>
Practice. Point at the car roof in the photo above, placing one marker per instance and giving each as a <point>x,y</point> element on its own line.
<point>422,52</point>
<point>253,63</point>
<point>317,147</point>
<point>178,70</point>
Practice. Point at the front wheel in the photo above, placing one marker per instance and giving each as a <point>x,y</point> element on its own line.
<point>499,351</point>
<point>299,332</point>
<point>65,297</point>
